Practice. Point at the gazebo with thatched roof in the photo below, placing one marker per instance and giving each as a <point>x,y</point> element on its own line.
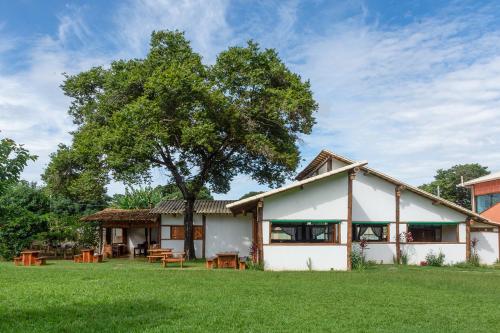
<point>124,230</point>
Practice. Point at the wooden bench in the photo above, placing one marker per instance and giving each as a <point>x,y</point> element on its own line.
<point>41,261</point>
<point>18,261</point>
<point>243,263</point>
<point>97,257</point>
<point>155,258</point>
<point>174,257</point>
<point>211,262</point>
<point>77,258</point>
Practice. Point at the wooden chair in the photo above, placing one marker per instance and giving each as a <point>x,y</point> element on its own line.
<point>41,261</point>
<point>18,261</point>
<point>211,262</point>
<point>77,258</point>
<point>179,257</point>
<point>98,258</point>
<point>140,249</point>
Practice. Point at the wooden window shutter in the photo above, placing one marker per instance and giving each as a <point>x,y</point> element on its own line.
<point>198,232</point>
<point>177,232</point>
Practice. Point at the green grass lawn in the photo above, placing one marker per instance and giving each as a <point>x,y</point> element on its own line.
<point>133,296</point>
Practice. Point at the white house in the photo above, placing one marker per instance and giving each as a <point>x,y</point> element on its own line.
<point>316,221</point>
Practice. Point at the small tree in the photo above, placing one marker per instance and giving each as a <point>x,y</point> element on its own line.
<point>202,124</point>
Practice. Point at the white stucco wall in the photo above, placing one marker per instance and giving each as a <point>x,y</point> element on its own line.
<point>454,253</point>
<point>228,233</point>
<point>374,199</point>
<point>417,208</point>
<point>294,258</point>
<point>381,253</point>
<point>135,236</point>
<point>487,246</point>
<point>323,199</point>
<point>178,245</point>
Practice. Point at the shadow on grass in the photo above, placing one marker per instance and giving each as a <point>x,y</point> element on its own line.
<point>119,316</point>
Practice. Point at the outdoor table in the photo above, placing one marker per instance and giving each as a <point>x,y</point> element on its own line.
<point>29,257</point>
<point>88,256</point>
<point>227,260</point>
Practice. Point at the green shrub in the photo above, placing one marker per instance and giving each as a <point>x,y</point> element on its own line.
<point>435,260</point>
<point>255,266</point>
<point>357,259</point>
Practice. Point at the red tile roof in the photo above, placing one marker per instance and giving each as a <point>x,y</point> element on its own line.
<point>492,213</point>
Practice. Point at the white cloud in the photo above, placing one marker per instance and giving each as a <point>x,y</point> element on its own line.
<point>412,99</point>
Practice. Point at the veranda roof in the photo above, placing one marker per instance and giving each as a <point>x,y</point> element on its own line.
<point>123,215</point>
<point>200,207</point>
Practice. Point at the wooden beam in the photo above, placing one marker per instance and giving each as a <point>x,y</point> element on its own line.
<point>351,176</point>
<point>398,220</point>
<point>204,223</point>
<point>467,239</point>
<point>260,216</point>
<point>473,200</point>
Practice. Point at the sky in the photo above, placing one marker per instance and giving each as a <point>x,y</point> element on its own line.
<point>410,86</point>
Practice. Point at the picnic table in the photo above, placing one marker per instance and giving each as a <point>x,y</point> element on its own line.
<point>28,258</point>
<point>158,254</point>
<point>87,255</point>
<point>227,260</point>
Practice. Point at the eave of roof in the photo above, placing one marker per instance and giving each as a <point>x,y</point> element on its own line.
<point>257,197</point>
<point>122,215</point>
<point>200,207</point>
<point>487,178</point>
<point>325,154</point>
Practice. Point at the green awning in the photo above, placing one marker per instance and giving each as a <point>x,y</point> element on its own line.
<point>372,222</point>
<point>305,221</point>
<point>435,223</point>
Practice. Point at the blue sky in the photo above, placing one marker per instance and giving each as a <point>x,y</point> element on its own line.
<point>410,86</point>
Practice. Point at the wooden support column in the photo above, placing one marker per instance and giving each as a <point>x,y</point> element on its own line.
<point>397,220</point>
<point>260,245</point>
<point>204,223</point>
<point>467,239</point>
<point>498,228</point>
<point>473,199</point>
<point>350,177</point>
<point>101,246</point>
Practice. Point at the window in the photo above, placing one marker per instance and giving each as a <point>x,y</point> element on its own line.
<point>117,236</point>
<point>425,233</point>
<point>177,232</point>
<point>304,233</point>
<point>369,232</point>
<point>483,202</point>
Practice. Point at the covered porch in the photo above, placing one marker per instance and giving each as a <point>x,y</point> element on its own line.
<point>126,232</point>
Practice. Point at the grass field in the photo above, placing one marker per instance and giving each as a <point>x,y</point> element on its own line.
<point>133,296</point>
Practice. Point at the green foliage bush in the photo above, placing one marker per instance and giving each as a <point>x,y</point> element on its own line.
<point>357,259</point>
<point>435,260</point>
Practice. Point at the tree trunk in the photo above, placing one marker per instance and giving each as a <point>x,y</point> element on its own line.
<point>188,228</point>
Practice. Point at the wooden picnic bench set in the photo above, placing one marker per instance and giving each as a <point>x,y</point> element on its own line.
<point>226,260</point>
<point>87,256</point>
<point>166,256</point>
<point>29,258</point>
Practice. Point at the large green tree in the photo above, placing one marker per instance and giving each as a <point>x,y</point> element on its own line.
<point>448,181</point>
<point>203,124</point>
<point>13,159</point>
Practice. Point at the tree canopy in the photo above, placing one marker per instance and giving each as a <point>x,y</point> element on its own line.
<point>449,180</point>
<point>13,159</point>
<point>203,124</point>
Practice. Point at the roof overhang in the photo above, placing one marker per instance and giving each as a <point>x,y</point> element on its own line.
<point>250,202</point>
<point>325,154</point>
